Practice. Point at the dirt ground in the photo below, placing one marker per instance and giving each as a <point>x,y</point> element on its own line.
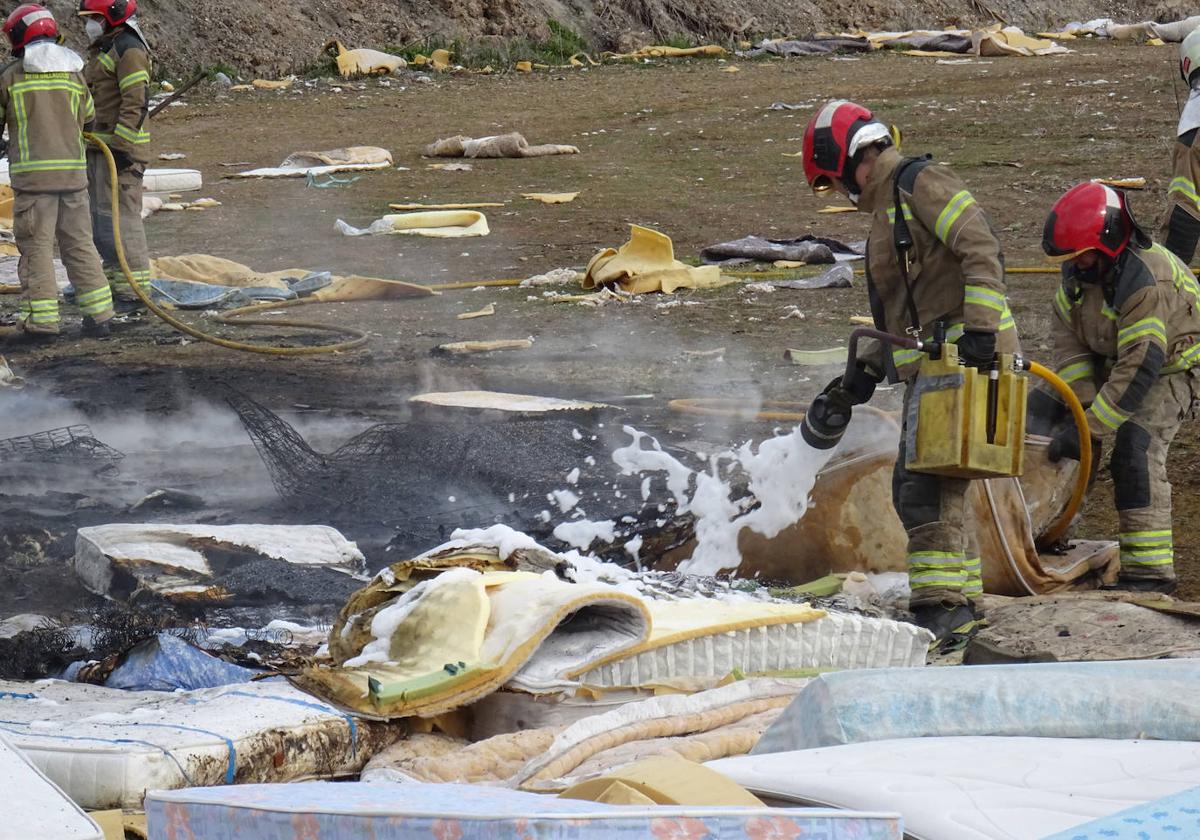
<point>685,148</point>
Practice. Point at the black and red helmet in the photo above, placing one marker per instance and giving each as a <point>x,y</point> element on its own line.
<point>114,12</point>
<point>28,23</point>
<point>1088,217</point>
<point>832,140</point>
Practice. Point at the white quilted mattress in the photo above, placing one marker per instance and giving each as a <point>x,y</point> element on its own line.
<point>37,808</point>
<point>835,641</point>
<point>976,788</point>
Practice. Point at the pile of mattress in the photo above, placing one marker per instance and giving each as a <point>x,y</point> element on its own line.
<point>106,747</point>
<point>553,639</point>
<point>466,812</point>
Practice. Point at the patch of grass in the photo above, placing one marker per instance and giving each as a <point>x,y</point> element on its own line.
<point>678,41</point>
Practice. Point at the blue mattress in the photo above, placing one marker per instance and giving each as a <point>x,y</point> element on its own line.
<point>332,811</point>
<point>1173,817</point>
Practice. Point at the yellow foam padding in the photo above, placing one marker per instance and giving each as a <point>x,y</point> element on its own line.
<point>678,621</point>
<point>438,60</point>
<point>272,84</point>
<point>838,208</point>
<point>121,825</point>
<point>646,263</point>
<point>365,62</point>
<point>664,780</point>
<point>551,198</point>
<point>523,610</point>
<point>524,66</point>
<point>466,205</point>
<point>670,52</point>
<point>353,287</point>
<point>204,268</point>
<point>440,223</point>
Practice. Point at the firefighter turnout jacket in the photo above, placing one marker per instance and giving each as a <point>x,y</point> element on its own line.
<point>956,268</point>
<point>118,72</point>
<point>46,111</point>
<point>1113,340</point>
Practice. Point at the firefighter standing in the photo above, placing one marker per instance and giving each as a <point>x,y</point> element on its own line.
<point>1183,221</point>
<point>948,269</point>
<point>45,105</point>
<point>118,73</point>
<point>1126,338</point>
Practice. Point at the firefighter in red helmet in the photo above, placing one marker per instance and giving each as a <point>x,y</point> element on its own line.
<point>44,104</point>
<point>932,258</point>
<point>118,73</point>
<point>1126,339</point>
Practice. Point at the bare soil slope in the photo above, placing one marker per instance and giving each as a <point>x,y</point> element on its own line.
<point>269,38</point>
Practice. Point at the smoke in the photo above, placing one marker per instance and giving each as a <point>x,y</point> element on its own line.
<point>201,448</point>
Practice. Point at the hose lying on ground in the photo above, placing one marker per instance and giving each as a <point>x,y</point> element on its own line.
<point>357,338</point>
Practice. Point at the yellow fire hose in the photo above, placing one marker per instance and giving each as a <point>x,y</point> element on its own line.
<point>357,338</point>
<point>774,411</point>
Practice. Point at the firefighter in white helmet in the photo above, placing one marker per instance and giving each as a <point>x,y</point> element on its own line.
<point>1182,229</point>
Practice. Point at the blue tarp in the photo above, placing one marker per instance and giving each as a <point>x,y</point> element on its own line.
<point>167,663</point>
<point>1116,700</point>
<point>186,294</point>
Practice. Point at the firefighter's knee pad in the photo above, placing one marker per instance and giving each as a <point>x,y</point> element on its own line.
<point>1183,232</point>
<point>917,497</point>
<point>1131,467</point>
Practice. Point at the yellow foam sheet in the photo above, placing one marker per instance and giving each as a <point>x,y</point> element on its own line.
<point>443,224</point>
<point>521,610</point>
<point>438,60</point>
<point>677,621</point>
<point>366,62</point>
<point>204,268</point>
<point>272,84</point>
<point>462,205</point>
<point>524,66</point>
<point>551,198</point>
<point>838,208</point>
<point>490,309</point>
<point>353,287</point>
<point>646,263</point>
<point>664,780</point>
<point>346,156</point>
<point>671,52</point>
<point>120,825</point>
<point>463,348</point>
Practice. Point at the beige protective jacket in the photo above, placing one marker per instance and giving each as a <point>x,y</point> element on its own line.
<point>118,72</point>
<point>1113,340</point>
<point>956,266</point>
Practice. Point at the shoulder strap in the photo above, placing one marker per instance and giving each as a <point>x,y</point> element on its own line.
<point>902,239</point>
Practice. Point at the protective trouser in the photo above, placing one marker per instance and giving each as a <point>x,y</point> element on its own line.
<point>1139,471</point>
<point>38,220</point>
<point>133,233</point>
<point>943,555</point>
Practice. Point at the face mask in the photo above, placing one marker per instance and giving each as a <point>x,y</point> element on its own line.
<point>94,30</point>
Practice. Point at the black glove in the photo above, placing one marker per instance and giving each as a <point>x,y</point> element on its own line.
<point>828,416</point>
<point>1065,444</point>
<point>977,349</point>
<point>859,387</point>
<point>123,160</point>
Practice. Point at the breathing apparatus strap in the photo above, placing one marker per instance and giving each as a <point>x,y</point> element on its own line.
<point>903,241</point>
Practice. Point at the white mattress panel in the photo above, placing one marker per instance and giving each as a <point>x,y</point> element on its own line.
<point>37,807</point>
<point>976,788</point>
